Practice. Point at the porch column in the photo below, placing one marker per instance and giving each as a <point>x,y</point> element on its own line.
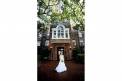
<point>55,53</point>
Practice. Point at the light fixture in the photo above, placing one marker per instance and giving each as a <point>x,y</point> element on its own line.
<point>51,47</point>
<point>70,47</point>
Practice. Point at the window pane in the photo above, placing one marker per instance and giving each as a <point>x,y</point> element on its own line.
<point>60,32</point>
<point>54,34</point>
<point>62,35</point>
<point>66,32</point>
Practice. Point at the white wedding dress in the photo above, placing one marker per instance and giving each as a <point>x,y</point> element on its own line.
<point>61,66</point>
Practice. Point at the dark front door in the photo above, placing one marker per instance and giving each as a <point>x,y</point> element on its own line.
<point>60,50</point>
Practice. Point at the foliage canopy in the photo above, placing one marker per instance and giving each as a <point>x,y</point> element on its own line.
<point>49,11</point>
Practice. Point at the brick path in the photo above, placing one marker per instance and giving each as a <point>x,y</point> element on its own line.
<point>46,72</point>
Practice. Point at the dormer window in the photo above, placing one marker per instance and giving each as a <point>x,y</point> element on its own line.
<point>60,32</point>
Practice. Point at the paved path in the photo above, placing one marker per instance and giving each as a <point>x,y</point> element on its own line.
<point>46,72</point>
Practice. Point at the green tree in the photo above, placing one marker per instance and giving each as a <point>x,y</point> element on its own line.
<point>72,10</point>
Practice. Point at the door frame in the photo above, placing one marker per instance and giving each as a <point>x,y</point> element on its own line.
<point>61,49</point>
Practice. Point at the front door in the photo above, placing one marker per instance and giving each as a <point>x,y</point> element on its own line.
<point>60,50</point>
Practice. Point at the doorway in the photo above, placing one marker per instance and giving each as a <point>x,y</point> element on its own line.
<point>60,50</point>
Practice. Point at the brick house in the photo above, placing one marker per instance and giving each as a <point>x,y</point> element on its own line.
<point>63,38</point>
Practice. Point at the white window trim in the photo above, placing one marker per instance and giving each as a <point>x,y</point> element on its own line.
<point>56,29</point>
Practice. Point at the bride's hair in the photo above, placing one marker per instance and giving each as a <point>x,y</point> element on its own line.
<point>60,53</point>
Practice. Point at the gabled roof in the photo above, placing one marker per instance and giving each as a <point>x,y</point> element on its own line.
<point>66,24</point>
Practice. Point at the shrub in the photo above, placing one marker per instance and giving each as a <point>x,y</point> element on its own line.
<point>43,54</point>
<point>78,56</point>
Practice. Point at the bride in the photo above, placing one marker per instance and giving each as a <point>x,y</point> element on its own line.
<point>61,66</point>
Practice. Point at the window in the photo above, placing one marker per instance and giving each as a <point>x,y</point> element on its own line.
<point>74,42</point>
<point>66,33</point>
<point>60,32</point>
<point>80,34</point>
<point>47,43</point>
<point>54,34</point>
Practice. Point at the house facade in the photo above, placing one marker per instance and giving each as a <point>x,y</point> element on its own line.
<point>60,41</point>
<point>62,38</point>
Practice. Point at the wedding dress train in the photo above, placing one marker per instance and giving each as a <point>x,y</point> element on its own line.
<point>61,66</point>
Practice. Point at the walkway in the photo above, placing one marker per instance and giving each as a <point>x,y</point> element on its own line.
<point>46,71</point>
